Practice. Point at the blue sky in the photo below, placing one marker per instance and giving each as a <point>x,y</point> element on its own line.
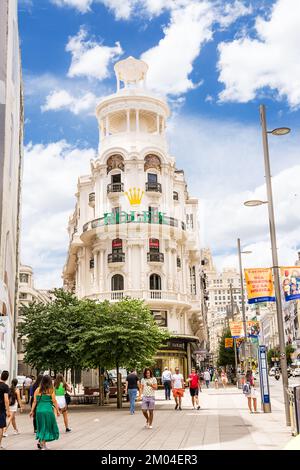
<point>215,62</point>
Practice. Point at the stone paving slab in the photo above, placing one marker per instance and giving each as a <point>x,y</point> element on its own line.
<point>223,422</point>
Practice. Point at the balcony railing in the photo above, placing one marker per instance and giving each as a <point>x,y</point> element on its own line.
<point>155,257</point>
<point>154,187</point>
<point>155,294</point>
<point>117,295</point>
<point>116,258</point>
<point>115,188</point>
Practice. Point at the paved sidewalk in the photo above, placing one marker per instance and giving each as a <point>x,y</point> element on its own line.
<point>223,422</point>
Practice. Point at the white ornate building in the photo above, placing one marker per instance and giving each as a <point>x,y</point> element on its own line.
<point>134,231</point>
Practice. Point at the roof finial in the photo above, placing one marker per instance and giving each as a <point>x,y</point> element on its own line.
<point>130,71</point>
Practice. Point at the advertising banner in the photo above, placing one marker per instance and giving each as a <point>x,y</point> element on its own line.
<point>253,329</point>
<point>228,342</point>
<point>236,329</point>
<point>239,341</point>
<point>259,284</point>
<point>290,281</point>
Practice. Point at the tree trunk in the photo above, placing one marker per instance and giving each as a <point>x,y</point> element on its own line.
<point>119,388</point>
<point>101,389</point>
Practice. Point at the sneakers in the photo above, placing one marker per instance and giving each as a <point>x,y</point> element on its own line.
<point>68,430</point>
<point>150,427</point>
<point>5,434</point>
<point>16,432</point>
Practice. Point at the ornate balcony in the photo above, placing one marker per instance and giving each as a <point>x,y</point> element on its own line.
<point>155,257</point>
<point>116,258</point>
<point>115,188</point>
<point>153,187</point>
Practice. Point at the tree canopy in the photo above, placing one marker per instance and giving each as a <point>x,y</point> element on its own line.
<point>225,355</point>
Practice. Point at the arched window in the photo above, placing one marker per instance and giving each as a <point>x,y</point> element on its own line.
<point>115,162</point>
<point>117,282</point>
<point>155,282</point>
<point>152,161</point>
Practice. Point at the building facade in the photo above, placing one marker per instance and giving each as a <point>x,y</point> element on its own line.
<point>27,294</point>
<point>11,137</point>
<point>134,231</point>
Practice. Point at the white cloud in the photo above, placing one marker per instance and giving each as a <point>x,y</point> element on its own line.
<point>89,58</point>
<point>170,62</point>
<point>62,99</point>
<point>191,26</point>
<point>272,60</point>
<point>50,176</point>
<point>81,5</point>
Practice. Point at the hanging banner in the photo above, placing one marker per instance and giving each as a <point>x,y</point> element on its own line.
<point>253,329</point>
<point>228,342</point>
<point>259,284</point>
<point>236,329</point>
<point>239,341</point>
<point>290,281</point>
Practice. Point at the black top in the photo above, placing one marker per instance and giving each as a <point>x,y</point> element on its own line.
<point>132,380</point>
<point>3,389</point>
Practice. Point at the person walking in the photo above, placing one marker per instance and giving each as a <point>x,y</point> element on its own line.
<point>166,381</point>
<point>4,403</point>
<point>224,378</point>
<point>27,384</point>
<point>132,387</point>
<point>216,378</point>
<point>61,388</point>
<point>250,391</point>
<point>206,376</point>
<point>194,384</point>
<point>44,402</point>
<point>33,388</point>
<point>148,387</point>
<point>177,388</point>
<point>14,402</point>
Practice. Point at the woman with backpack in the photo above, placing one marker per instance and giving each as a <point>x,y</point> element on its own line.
<point>61,388</point>
<point>250,392</point>
<point>14,402</point>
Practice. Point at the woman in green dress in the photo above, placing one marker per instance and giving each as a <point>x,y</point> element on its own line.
<point>45,402</point>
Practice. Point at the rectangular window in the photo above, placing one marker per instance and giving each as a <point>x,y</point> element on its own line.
<point>160,316</point>
<point>154,245</point>
<point>193,280</point>
<point>152,178</point>
<point>116,178</point>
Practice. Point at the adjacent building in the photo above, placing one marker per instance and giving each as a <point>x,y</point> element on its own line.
<point>27,293</point>
<point>134,231</point>
<point>11,137</point>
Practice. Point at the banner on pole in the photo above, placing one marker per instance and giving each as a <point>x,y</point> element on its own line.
<point>290,281</point>
<point>239,341</point>
<point>259,284</point>
<point>253,329</point>
<point>228,342</point>
<point>236,329</point>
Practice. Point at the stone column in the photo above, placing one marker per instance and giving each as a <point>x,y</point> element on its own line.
<point>157,123</point>
<point>129,278</point>
<point>96,270</point>
<point>143,262</point>
<point>101,272</point>
<point>107,125</point>
<point>169,256</point>
<point>137,120</point>
<point>128,120</point>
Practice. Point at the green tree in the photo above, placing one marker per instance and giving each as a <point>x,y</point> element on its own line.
<point>122,334</point>
<point>46,329</point>
<point>225,355</point>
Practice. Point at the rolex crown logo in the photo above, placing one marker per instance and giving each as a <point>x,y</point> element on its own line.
<point>134,195</point>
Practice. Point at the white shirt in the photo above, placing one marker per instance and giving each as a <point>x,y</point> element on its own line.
<point>166,375</point>
<point>206,375</point>
<point>177,380</point>
<point>27,381</point>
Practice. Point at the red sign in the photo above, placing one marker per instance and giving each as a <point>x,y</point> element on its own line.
<point>117,243</point>
<point>154,243</point>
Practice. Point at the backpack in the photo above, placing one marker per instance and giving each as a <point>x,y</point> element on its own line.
<point>246,388</point>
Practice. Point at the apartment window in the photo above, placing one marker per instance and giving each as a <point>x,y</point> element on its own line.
<point>155,282</point>
<point>117,282</point>
<point>152,178</point>
<point>24,277</point>
<point>175,196</point>
<point>117,245</point>
<point>154,245</point>
<point>23,295</point>
<point>193,280</point>
<point>160,316</point>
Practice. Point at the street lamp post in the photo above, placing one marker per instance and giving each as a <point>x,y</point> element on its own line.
<point>246,352</point>
<point>283,362</point>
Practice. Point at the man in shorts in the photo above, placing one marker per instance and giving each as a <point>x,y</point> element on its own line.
<point>177,388</point>
<point>194,383</point>
<point>4,403</point>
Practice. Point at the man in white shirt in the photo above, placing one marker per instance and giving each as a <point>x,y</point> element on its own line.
<point>177,388</point>
<point>166,379</point>
<point>207,378</point>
